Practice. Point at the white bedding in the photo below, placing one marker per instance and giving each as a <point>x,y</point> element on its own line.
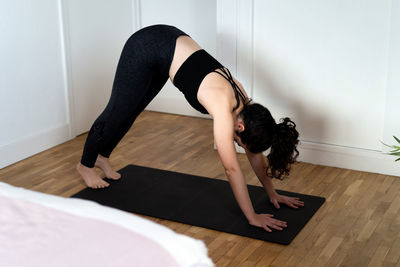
<point>38,229</point>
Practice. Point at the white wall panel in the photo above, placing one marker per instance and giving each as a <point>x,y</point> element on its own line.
<point>32,88</point>
<point>324,63</point>
<point>33,111</point>
<point>392,112</point>
<point>97,31</point>
<point>332,66</point>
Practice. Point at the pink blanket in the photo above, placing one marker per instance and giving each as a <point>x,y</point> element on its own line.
<point>35,235</point>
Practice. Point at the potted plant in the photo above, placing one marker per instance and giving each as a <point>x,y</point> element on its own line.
<point>395,148</point>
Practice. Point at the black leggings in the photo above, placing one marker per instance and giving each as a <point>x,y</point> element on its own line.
<point>142,71</point>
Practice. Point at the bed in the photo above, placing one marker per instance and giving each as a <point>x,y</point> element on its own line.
<point>38,229</point>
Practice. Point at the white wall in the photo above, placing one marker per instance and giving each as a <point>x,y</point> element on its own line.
<point>324,64</point>
<point>392,107</point>
<point>332,66</point>
<point>33,110</point>
<point>58,60</point>
<point>97,31</point>
<point>197,19</point>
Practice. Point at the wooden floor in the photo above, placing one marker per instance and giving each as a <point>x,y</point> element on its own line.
<point>359,225</point>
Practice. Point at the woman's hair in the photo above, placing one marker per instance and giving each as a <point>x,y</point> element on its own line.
<point>262,132</point>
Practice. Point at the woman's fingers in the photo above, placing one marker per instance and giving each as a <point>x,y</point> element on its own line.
<point>267,222</point>
<point>282,223</point>
<point>276,224</point>
<point>299,203</point>
<point>276,204</point>
<point>294,203</point>
<point>276,227</point>
<point>267,229</point>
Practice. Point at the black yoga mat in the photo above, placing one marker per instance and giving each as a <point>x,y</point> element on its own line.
<point>198,201</point>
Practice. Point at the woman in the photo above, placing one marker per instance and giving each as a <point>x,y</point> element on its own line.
<point>156,53</point>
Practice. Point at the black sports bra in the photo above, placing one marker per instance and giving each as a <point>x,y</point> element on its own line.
<point>192,72</point>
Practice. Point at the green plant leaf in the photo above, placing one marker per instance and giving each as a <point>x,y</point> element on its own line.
<point>397,139</point>
<point>395,148</point>
<point>383,143</point>
<point>386,144</point>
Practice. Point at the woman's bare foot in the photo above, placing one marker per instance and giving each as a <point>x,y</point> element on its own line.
<point>104,164</point>
<point>90,176</point>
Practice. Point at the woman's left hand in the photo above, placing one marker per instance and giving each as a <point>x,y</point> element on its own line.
<point>293,202</point>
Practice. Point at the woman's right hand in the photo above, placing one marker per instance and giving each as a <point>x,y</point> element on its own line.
<point>266,221</point>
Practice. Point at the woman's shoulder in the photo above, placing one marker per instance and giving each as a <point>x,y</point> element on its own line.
<point>215,94</point>
<point>217,86</point>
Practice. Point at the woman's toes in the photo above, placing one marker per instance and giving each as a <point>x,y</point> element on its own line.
<point>114,175</point>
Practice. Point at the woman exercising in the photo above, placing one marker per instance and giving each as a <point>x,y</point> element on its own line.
<point>156,53</point>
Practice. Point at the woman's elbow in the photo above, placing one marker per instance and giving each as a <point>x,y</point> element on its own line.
<point>231,171</point>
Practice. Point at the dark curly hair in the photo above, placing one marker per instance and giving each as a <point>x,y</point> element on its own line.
<point>262,132</point>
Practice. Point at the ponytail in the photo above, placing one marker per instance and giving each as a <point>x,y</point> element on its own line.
<point>262,132</point>
<point>283,148</point>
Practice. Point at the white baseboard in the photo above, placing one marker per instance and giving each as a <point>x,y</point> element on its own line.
<point>31,145</point>
<point>346,157</point>
<point>349,158</point>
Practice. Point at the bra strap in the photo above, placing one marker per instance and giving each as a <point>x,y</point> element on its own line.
<point>236,89</point>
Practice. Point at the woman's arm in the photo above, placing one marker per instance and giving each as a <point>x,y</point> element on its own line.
<point>259,165</point>
<point>217,102</point>
<point>223,135</point>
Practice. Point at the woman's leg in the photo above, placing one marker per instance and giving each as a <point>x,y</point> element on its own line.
<point>102,161</point>
<point>133,79</point>
<point>156,85</point>
<point>110,127</point>
<point>142,71</point>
